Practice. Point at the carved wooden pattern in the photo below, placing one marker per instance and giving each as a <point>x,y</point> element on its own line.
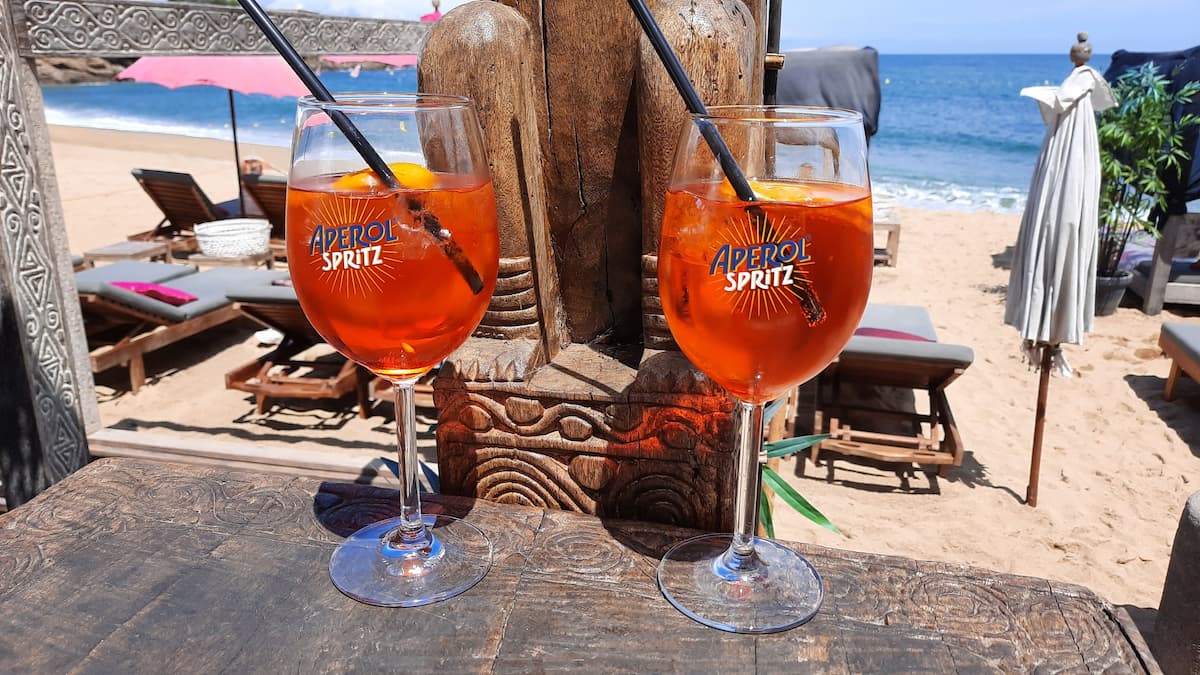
<point>117,28</point>
<point>657,334</point>
<point>31,243</point>
<point>641,460</point>
<point>107,572</point>
<point>513,310</point>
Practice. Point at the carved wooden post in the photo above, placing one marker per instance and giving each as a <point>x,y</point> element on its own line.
<point>604,427</point>
<point>48,384</point>
<point>717,49</point>
<point>496,39</point>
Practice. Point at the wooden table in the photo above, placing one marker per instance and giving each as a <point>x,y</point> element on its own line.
<point>140,566</point>
<point>128,250</point>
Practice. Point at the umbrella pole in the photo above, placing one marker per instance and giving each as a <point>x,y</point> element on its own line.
<point>237,157</point>
<point>1039,425</point>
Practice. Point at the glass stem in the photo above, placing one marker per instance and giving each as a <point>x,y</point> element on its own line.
<point>411,527</point>
<point>748,422</point>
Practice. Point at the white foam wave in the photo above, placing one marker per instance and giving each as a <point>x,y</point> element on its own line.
<point>942,195</point>
<point>260,134</point>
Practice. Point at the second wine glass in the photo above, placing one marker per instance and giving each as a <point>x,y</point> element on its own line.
<point>396,277</point>
<point>761,295</point>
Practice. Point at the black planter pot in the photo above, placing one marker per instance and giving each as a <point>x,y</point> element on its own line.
<point>1109,291</point>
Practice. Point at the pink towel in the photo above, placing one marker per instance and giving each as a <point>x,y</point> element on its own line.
<point>890,334</point>
<point>171,296</point>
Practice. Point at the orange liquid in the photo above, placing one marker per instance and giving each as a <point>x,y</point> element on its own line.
<point>375,284</point>
<point>759,304</point>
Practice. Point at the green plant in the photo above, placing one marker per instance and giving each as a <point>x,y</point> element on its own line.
<point>772,479</point>
<point>1139,144</point>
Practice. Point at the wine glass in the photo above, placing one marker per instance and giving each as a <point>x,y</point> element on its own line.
<point>395,272</point>
<point>760,296</point>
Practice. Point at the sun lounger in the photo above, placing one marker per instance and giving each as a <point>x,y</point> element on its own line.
<point>270,193</point>
<point>278,374</point>
<point>123,325</point>
<point>895,347</point>
<point>183,205</point>
<point>1181,343</point>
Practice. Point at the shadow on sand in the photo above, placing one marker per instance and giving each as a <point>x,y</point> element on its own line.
<point>1003,260</point>
<point>173,358</point>
<point>1181,415</point>
<point>873,476</point>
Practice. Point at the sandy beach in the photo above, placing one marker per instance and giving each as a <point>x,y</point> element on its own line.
<point>1118,460</point>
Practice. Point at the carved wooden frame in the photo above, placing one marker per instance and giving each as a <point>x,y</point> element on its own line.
<point>49,404</point>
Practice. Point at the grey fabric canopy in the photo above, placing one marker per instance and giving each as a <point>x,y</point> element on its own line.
<point>1051,288</point>
<point>1052,285</point>
<point>836,77</point>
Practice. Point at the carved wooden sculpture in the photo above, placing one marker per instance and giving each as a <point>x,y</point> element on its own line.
<point>571,395</point>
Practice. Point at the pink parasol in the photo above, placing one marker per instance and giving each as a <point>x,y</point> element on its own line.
<point>398,60</point>
<point>268,75</point>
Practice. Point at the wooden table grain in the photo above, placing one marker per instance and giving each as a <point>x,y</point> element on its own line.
<point>141,566</point>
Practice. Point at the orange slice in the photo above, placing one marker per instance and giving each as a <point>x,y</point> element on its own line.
<point>411,176</point>
<point>781,192</point>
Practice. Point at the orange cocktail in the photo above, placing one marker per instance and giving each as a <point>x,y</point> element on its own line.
<point>762,296</point>
<point>394,265</point>
<point>372,278</point>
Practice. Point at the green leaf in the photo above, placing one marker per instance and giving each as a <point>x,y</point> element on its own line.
<point>764,514</point>
<point>790,446</point>
<point>793,499</point>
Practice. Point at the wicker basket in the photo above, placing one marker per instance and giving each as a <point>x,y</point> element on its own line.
<point>233,238</point>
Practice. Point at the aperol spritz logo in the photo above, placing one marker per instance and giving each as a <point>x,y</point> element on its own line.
<point>349,245</point>
<point>762,268</point>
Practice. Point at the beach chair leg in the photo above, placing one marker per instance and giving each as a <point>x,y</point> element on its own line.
<point>1172,380</point>
<point>362,390</point>
<point>137,373</point>
<point>260,404</point>
<point>943,469</point>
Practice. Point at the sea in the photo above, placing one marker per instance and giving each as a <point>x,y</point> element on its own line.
<point>954,133</point>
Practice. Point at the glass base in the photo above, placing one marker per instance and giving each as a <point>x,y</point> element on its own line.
<point>374,567</point>
<point>774,590</point>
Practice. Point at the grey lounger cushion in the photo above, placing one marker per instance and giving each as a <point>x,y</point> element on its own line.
<point>209,287</point>
<point>96,279</point>
<point>264,291</point>
<point>1181,271</point>
<point>912,320</point>
<point>1186,336</point>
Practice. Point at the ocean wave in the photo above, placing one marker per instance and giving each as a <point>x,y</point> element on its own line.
<point>941,195</point>
<point>252,132</point>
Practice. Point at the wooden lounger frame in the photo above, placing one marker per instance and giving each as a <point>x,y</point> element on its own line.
<point>890,253</point>
<point>273,375</point>
<point>271,195</point>
<point>183,204</point>
<point>1181,364</point>
<point>131,333</point>
<point>941,446</point>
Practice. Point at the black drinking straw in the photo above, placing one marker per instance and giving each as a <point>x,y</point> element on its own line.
<point>360,143</point>
<point>692,100</point>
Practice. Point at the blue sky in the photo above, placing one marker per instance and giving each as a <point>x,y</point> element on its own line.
<point>924,26</point>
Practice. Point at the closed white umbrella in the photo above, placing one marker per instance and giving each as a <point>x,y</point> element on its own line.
<point>1052,284</point>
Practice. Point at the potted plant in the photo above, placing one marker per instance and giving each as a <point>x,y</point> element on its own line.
<point>1140,142</point>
